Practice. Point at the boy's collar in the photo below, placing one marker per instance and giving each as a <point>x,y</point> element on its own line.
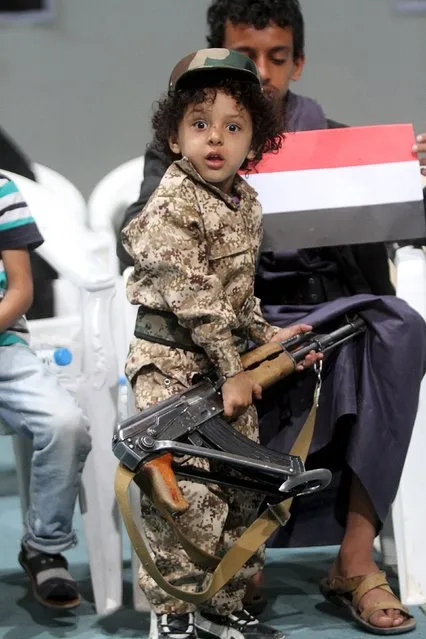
<point>240,188</point>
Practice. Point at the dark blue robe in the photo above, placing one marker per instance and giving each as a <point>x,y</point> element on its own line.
<point>368,401</point>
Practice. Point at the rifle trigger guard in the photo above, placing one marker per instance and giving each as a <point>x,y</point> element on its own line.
<point>309,482</point>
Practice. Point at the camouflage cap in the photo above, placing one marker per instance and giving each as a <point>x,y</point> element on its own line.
<point>225,61</point>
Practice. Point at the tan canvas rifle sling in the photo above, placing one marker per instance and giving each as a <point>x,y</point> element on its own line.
<point>254,536</point>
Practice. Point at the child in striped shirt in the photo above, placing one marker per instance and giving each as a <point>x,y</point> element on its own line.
<point>33,404</point>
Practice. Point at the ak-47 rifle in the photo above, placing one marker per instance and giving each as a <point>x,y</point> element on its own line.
<point>190,423</point>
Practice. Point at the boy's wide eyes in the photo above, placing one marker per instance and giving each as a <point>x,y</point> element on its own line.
<point>233,128</point>
<point>202,124</point>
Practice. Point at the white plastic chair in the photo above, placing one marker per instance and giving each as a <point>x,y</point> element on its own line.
<point>68,249</point>
<point>23,452</point>
<point>401,540</point>
<point>65,294</point>
<point>111,196</point>
<point>115,192</point>
<point>409,509</point>
<point>66,297</point>
<point>129,312</point>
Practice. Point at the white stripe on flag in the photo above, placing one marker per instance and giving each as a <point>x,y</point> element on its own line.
<point>336,188</point>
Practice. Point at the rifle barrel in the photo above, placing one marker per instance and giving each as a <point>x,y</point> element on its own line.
<point>328,341</point>
<point>296,340</point>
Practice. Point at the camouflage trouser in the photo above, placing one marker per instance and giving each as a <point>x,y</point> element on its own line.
<point>216,518</point>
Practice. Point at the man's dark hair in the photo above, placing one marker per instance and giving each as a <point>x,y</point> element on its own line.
<point>267,124</point>
<point>256,13</point>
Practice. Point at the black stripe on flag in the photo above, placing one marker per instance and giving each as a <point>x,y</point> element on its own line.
<point>348,225</point>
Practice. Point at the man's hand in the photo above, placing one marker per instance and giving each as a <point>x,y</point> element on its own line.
<point>291,331</point>
<point>237,394</point>
<point>420,149</point>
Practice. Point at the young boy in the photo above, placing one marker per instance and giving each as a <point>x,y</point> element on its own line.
<point>195,248</point>
<point>34,405</point>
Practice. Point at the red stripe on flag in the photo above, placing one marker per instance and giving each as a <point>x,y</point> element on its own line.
<point>334,148</point>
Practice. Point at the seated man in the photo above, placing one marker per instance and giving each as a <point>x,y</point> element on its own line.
<point>33,404</point>
<point>370,390</point>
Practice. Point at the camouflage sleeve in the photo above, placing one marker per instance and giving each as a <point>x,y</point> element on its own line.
<point>260,331</point>
<point>169,249</point>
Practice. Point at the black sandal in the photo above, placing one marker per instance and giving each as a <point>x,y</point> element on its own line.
<point>54,592</point>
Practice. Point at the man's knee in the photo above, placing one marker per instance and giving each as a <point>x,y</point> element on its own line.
<point>415,323</point>
<point>413,333</point>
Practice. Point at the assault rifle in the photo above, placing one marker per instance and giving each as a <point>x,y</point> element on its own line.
<point>153,443</point>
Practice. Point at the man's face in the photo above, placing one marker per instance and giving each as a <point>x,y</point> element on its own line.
<point>272,51</point>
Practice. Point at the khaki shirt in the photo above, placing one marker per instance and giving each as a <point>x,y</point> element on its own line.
<point>195,250</point>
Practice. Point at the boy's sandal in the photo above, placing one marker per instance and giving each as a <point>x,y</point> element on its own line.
<point>347,592</point>
<point>55,591</point>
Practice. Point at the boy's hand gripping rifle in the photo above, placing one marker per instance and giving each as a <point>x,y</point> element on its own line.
<point>190,424</point>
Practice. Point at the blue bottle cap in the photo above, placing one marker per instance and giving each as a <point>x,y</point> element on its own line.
<point>62,356</point>
<point>122,380</point>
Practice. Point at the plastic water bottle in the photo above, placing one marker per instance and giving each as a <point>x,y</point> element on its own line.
<point>60,362</point>
<point>55,358</point>
<point>122,411</point>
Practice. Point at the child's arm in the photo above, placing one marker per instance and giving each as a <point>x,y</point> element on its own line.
<point>238,393</point>
<point>260,331</point>
<point>19,293</point>
<point>18,235</point>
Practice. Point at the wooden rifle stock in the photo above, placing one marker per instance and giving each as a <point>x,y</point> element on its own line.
<point>163,486</point>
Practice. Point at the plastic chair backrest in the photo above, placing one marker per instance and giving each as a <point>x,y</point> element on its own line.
<point>64,188</point>
<point>68,246</point>
<point>114,193</point>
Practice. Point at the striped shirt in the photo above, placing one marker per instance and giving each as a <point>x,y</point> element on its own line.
<point>17,231</point>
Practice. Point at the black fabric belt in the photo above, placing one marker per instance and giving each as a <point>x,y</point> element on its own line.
<point>162,327</point>
<point>300,289</point>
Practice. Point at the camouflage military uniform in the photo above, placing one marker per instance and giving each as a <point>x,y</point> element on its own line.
<point>195,249</point>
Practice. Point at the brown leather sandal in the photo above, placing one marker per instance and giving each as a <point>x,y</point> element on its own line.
<point>347,592</point>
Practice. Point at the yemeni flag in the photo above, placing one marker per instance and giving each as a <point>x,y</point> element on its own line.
<point>341,186</point>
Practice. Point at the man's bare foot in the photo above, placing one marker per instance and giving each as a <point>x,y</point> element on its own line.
<point>354,566</point>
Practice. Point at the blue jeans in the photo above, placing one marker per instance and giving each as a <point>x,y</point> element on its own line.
<point>34,404</point>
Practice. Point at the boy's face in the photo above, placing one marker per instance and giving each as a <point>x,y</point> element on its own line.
<point>272,51</point>
<point>216,137</point>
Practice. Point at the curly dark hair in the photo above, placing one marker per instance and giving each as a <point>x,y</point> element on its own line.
<point>257,13</point>
<point>268,122</point>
